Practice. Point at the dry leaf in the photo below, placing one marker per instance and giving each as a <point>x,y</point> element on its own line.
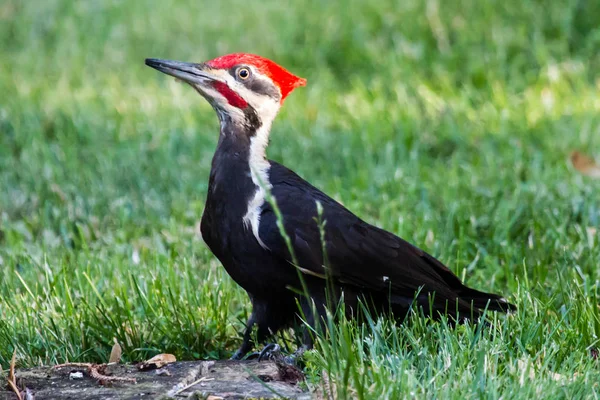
<point>585,164</point>
<point>115,353</point>
<point>562,378</point>
<point>328,387</point>
<point>158,361</point>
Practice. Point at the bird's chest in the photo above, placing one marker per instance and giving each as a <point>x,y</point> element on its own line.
<point>223,228</point>
<point>229,193</point>
<point>224,224</point>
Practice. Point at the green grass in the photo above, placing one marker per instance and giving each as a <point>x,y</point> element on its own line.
<point>446,122</point>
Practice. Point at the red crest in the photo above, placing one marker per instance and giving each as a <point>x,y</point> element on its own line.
<point>285,80</point>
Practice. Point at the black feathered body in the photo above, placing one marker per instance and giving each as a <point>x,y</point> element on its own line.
<point>365,261</point>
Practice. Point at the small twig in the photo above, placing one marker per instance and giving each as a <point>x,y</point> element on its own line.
<point>192,384</point>
<point>15,389</point>
<point>12,380</point>
<point>94,371</point>
<point>73,365</point>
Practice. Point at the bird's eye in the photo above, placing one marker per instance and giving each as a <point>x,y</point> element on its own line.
<point>243,73</point>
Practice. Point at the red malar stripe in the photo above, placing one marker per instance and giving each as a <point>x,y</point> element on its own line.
<point>232,97</point>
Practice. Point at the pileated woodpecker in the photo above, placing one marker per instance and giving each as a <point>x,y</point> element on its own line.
<point>239,225</point>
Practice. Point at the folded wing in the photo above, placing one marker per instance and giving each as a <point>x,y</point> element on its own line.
<point>360,255</point>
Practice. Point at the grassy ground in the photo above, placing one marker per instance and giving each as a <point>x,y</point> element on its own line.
<point>446,122</point>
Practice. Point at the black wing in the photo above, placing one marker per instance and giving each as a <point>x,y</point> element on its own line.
<point>359,254</point>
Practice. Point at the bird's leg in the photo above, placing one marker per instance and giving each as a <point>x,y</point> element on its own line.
<point>246,341</point>
<point>266,317</point>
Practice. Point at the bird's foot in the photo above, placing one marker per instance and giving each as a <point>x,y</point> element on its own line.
<point>243,355</point>
<point>252,356</point>
<point>238,355</point>
<point>272,351</point>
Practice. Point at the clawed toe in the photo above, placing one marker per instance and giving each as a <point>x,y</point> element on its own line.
<point>271,351</point>
<point>238,355</point>
<point>253,356</point>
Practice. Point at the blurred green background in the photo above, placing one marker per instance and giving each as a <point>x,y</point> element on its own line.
<point>449,123</point>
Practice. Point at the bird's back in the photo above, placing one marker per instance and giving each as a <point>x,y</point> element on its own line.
<point>363,259</point>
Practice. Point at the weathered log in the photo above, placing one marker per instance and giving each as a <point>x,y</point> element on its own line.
<point>193,379</point>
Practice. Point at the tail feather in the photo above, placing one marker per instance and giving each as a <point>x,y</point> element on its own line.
<point>489,301</point>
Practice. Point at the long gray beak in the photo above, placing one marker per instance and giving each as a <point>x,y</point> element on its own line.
<point>188,72</point>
